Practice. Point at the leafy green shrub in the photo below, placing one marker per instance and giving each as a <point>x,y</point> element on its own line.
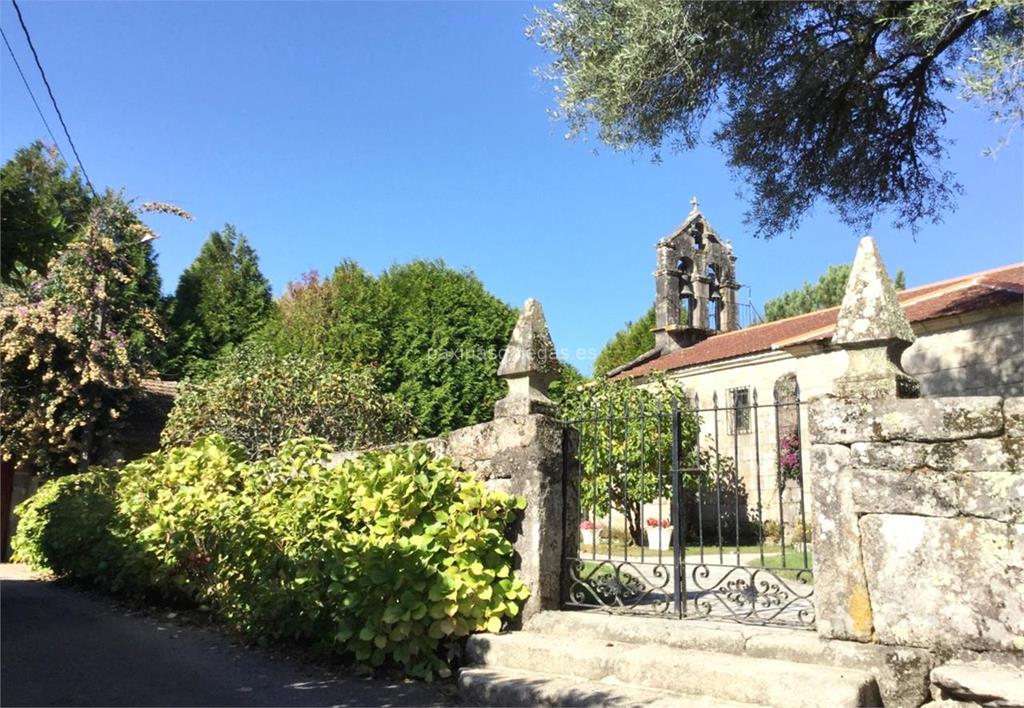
<point>392,557</point>
<point>67,526</point>
<point>258,399</point>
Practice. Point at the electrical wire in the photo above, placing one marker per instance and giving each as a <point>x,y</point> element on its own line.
<point>31,94</point>
<point>53,100</point>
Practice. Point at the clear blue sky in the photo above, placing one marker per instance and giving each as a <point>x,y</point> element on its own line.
<point>390,131</point>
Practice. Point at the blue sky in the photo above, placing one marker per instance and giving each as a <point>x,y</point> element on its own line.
<point>384,132</point>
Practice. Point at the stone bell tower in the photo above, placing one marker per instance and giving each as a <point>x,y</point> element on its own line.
<point>695,283</point>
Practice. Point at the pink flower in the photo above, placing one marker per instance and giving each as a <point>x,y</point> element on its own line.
<point>654,523</point>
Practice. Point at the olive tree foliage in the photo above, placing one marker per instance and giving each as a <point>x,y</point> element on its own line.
<point>827,292</point>
<point>627,344</point>
<point>75,342</point>
<point>841,101</point>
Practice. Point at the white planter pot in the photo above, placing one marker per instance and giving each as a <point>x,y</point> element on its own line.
<point>658,538</point>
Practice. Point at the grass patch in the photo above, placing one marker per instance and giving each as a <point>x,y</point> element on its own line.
<point>793,565</point>
<point>601,549</point>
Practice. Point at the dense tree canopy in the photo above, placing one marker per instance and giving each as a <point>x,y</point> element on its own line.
<point>434,334</point>
<point>76,341</point>
<point>827,292</point>
<point>44,206</point>
<point>222,298</point>
<point>343,316</point>
<point>628,343</point>
<point>445,335</point>
<point>836,100</point>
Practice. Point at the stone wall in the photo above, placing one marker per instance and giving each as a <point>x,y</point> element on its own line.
<point>919,523</point>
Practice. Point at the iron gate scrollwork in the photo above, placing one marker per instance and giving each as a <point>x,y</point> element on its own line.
<point>677,510</point>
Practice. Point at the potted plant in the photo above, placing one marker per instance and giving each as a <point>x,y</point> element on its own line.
<point>589,530</point>
<point>659,534</point>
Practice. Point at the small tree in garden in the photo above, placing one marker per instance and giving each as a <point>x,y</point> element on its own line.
<point>625,448</point>
<point>258,398</point>
<point>75,342</point>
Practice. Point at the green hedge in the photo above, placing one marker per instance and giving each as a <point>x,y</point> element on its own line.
<point>392,557</point>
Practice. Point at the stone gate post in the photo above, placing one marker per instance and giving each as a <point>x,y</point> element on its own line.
<point>534,470</point>
<point>918,502</point>
<point>874,331</point>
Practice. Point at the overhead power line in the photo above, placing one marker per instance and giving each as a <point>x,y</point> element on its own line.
<point>53,100</point>
<point>31,94</point>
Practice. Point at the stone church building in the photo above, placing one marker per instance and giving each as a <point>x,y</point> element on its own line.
<point>969,341</point>
<point>970,329</point>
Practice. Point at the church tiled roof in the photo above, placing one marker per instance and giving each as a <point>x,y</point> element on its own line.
<point>957,296</point>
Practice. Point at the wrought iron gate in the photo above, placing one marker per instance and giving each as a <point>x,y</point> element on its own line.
<point>690,512</point>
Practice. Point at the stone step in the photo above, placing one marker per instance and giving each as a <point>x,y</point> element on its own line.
<point>901,673</point>
<point>727,677</point>
<point>979,682</point>
<point>514,687</point>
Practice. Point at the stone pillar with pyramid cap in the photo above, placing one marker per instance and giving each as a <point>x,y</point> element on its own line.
<point>528,366</point>
<point>874,331</point>
<point>535,470</point>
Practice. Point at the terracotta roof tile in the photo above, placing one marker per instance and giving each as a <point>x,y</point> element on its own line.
<point>158,387</point>
<point>993,288</point>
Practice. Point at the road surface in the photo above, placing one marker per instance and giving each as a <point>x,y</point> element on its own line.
<point>59,647</point>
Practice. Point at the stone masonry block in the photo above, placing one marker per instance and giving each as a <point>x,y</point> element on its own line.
<point>897,492</point>
<point>1013,411</point>
<point>838,421</point>
<point>841,598</point>
<point>945,583</point>
<point>992,495</point>
<point>976,455</point>
<point>998,496</point>
<point>979,682</point>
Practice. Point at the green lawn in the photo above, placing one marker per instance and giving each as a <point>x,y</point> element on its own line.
<point>587,549</point>
<point>794,563</point>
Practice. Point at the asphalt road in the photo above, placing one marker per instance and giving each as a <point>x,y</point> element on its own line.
<point>59,647</point>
